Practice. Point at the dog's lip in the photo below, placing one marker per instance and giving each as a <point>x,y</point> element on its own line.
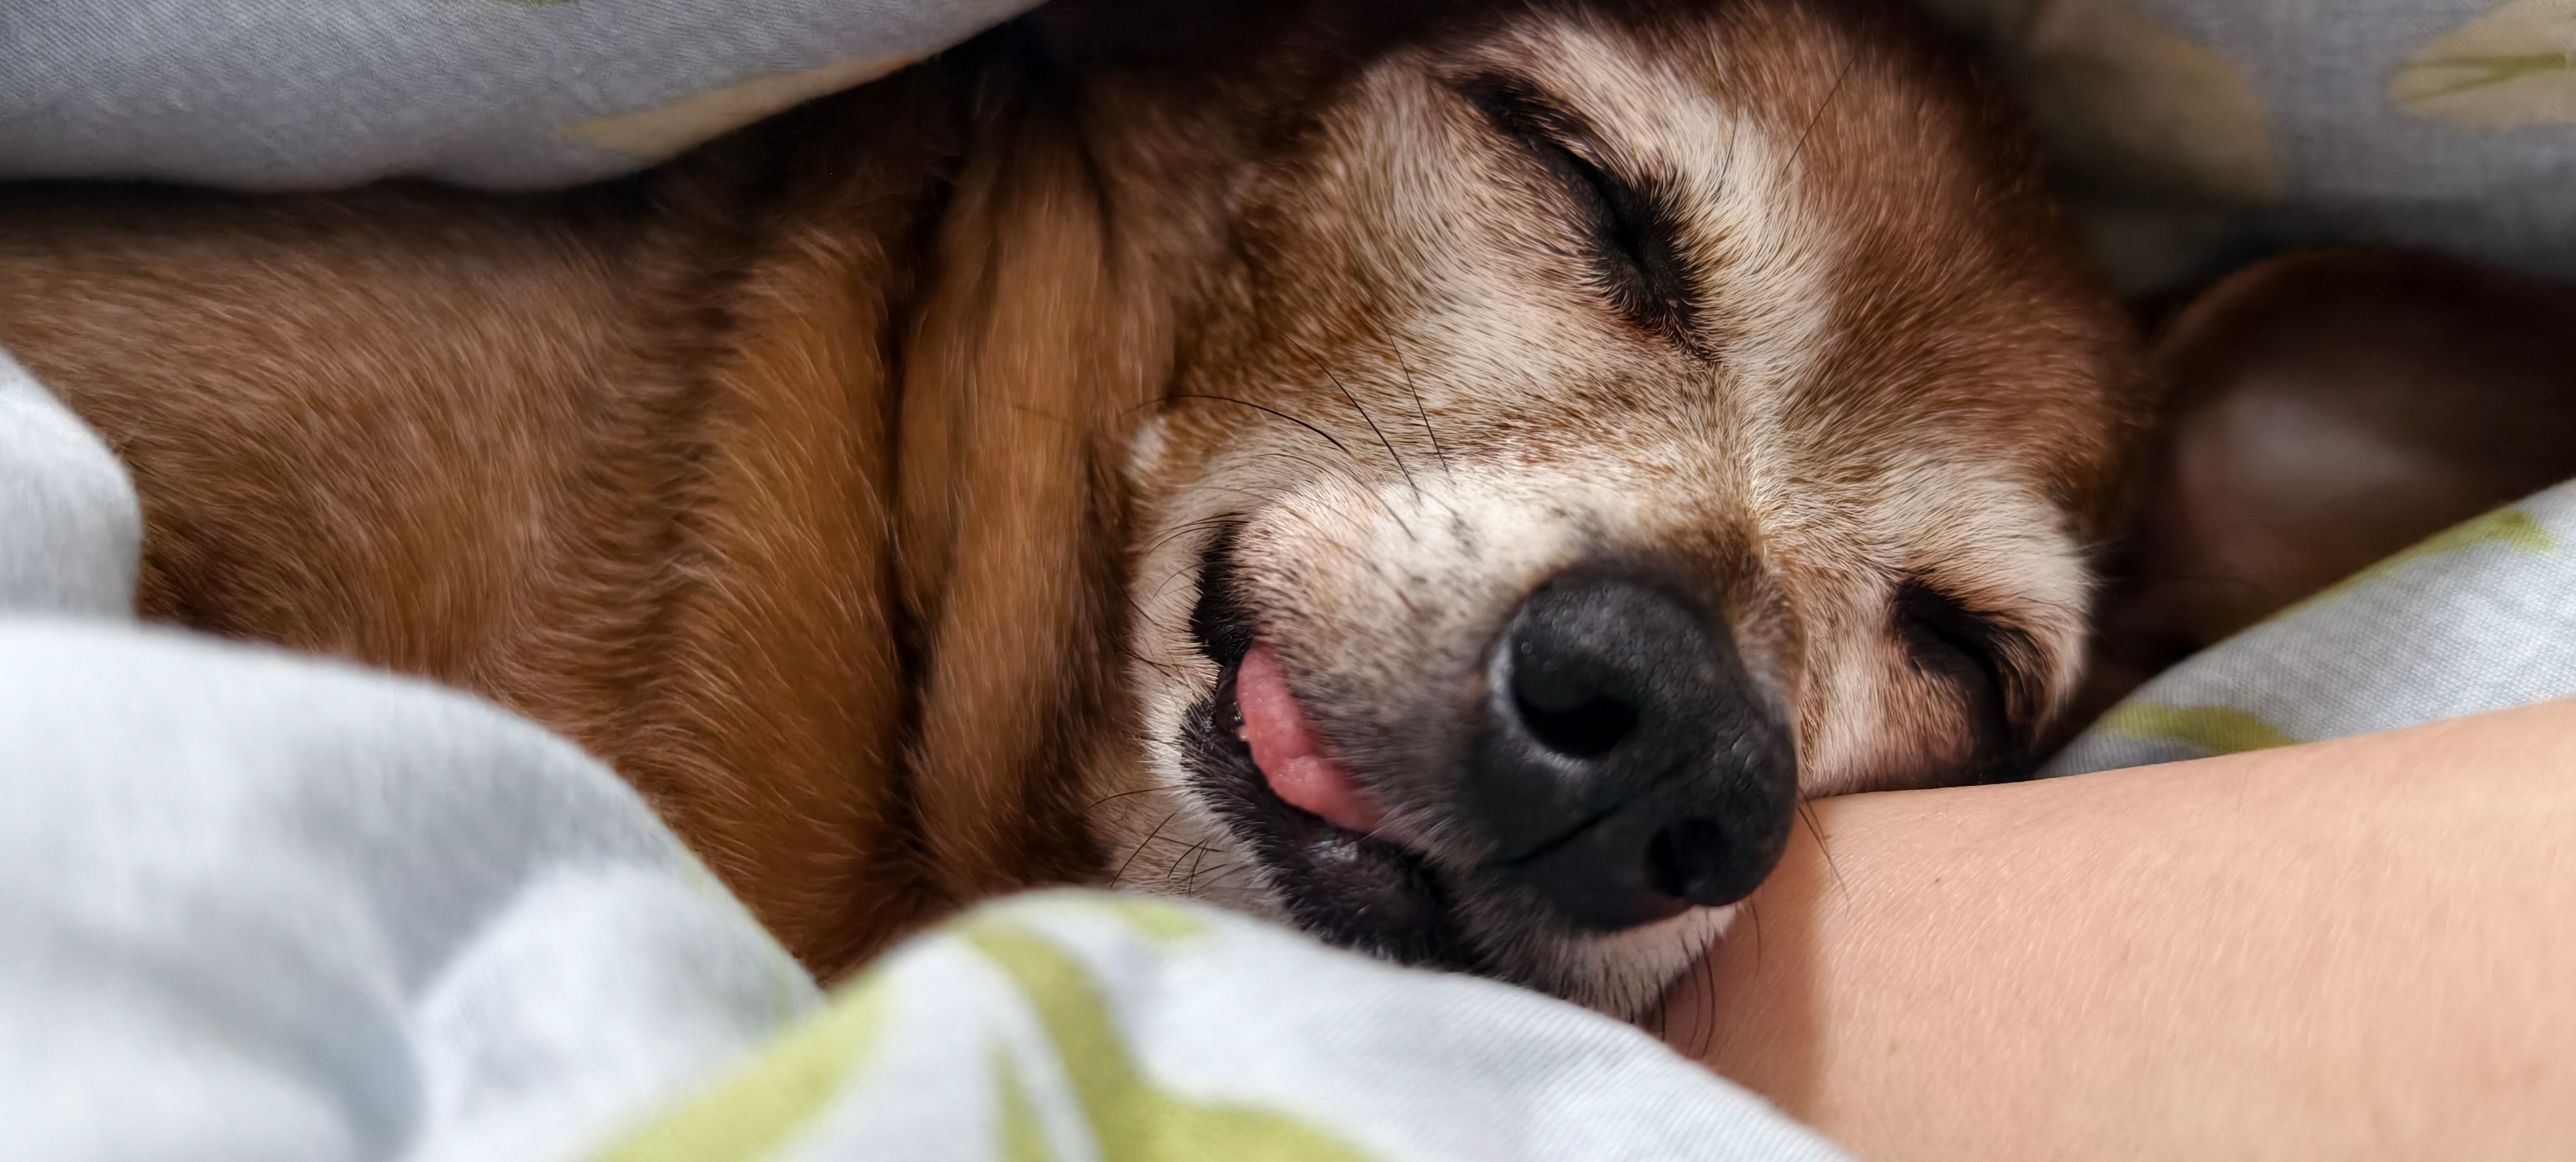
<point>1295,765</point>
<point>1354,887</point>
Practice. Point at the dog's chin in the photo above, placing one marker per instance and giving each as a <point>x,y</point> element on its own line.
<point>1375,894</point>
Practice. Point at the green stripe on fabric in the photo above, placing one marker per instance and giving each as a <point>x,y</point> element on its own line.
<point>761,1105</point>
<point>1023,1139</point>
<point>1160,921</point>
<point>1131,1119</point>
<point>2214,729</point>
<point>2511,527</point>
<point>2493,69</point>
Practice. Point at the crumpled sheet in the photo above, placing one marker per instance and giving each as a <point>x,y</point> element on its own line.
<point>277,908</point>
<point>2478,617</point>
<point>313,94</point>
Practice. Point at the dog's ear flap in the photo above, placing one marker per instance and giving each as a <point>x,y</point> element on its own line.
<point>1037,338</point>
<point>2324,410</point>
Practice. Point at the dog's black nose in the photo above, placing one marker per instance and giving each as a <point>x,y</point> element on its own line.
<point>1628,767</point>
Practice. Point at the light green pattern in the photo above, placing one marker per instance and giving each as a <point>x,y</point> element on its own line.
<point>2510,527</point>
<point>2494,69</point>
<point>1160,921</point>
<point>2211,729</point>
<point>1131,1119</point>
<point>765,1102</point>
<point>1023,1140</point>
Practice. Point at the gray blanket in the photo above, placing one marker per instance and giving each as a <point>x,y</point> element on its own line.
<point>2189,132</point>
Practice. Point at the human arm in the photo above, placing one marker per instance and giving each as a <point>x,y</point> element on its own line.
<point>2363,948</point>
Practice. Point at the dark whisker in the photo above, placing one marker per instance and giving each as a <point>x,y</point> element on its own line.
<point>1158,667</point>
<point>1185,529</point>
<point>1121,874</point>
<point>1704,970</point>
<point>1328,436</point>
<point>1754,915</point>
<point>1356,482</point>
<point>1807,815</point>
<point>1418,409</point>
<point>1190,882</point>
<point>1125,794</point>
<point>1382,441</point>
<point>1848,61</point>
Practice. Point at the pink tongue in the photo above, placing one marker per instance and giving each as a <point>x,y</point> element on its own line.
<point>1286,751</point>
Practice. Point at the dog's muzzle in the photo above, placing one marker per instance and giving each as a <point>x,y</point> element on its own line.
<point>1627,766</point>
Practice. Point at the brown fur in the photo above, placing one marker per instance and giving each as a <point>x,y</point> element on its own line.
<point>794,479</point>
<point>2322,410</point>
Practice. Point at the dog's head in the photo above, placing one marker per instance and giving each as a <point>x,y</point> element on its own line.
<point>1608,430</point>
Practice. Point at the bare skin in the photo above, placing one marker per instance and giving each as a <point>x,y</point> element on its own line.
<point>2356,949</point>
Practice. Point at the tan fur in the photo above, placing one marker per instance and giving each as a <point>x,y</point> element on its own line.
<point>843,483</point>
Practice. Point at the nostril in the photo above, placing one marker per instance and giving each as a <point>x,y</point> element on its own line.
<point>1567,714</point>
<point>1702,861</point>
<point>1594,665</point>
<point>1623,764</point>
<point>1664,866</point>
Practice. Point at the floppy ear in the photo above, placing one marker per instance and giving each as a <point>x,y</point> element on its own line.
<point>1036,339</point>
<point>2322,411</point>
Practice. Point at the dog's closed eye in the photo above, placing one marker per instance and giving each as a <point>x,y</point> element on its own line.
<point>1968,651</point>
<point>1644,272</point>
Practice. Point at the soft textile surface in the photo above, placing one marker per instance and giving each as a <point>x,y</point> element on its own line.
<point>301,94</point>
<point>2480,617</point>
<point>2189,132</point>
<point>275,908</point>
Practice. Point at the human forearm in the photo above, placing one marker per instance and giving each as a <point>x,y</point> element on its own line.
<point>2364,948</point>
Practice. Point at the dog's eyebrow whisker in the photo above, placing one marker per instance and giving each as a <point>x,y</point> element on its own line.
<point>1380,433</point>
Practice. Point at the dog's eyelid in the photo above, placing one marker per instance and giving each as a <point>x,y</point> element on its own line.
<point>1644,267</point>
<point>2002,653</point>
<point>1519,110</point>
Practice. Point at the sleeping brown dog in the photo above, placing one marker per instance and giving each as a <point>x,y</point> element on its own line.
<point>1452,475</point>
